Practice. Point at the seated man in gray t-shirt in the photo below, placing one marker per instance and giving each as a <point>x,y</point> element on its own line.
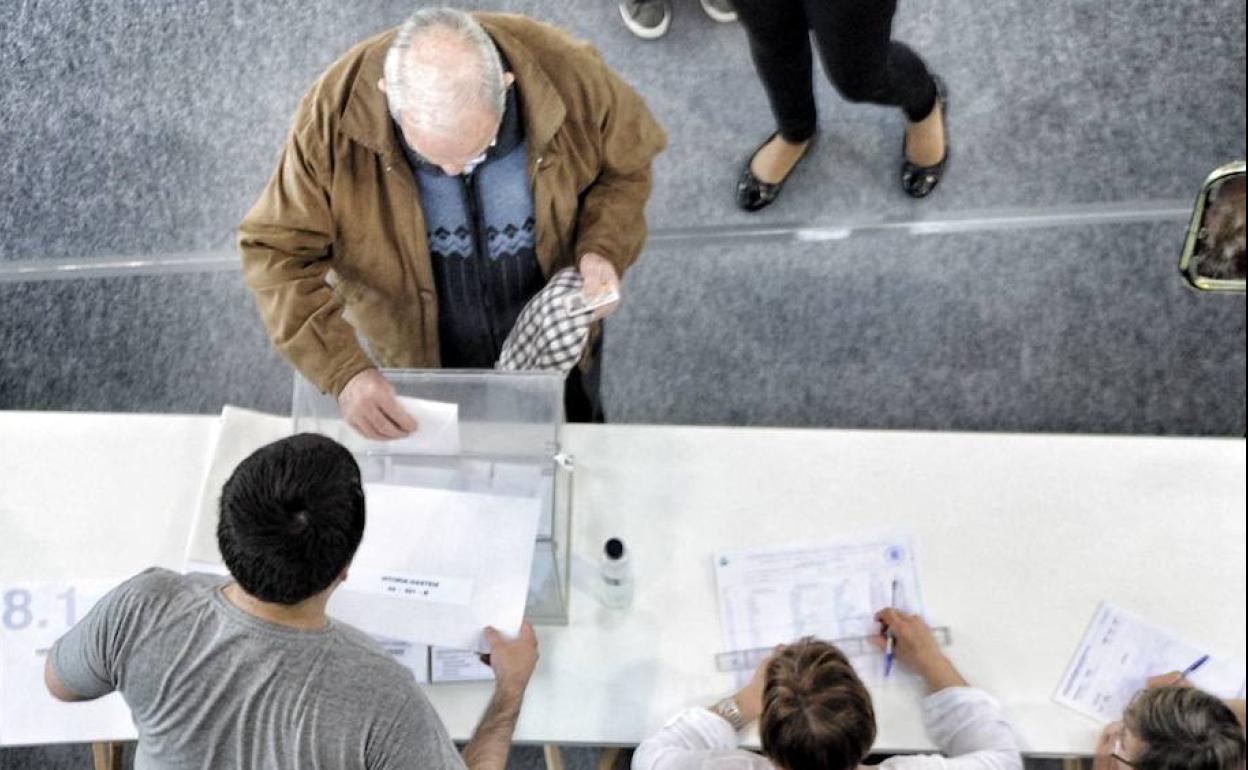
<point>251,673</point>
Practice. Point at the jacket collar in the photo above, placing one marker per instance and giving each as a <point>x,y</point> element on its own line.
<point>366,118</point>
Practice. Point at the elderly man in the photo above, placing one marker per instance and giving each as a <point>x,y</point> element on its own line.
<point>434,179</point>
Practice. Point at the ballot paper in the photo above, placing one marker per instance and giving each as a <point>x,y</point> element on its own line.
<point>32,617</point>
<point>437,431</point>
<point>437,566</point>
<point>239,433</point>
<point>447,666</point>
<point>831,591</point>
<point>1120,651</point>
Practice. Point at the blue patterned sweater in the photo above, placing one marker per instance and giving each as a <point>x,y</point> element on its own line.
<point>483,245</point>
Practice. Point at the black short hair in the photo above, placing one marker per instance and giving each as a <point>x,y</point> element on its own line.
<point>292,515</point>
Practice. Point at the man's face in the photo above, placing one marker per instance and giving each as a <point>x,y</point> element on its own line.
<point>463,149</point>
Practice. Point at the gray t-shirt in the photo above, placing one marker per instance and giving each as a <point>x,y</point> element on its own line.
<point>211,686</point>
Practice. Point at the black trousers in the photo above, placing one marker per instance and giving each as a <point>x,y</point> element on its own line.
<point>855,42</point>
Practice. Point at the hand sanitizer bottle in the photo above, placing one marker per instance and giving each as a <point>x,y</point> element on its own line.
<point>616,588</point>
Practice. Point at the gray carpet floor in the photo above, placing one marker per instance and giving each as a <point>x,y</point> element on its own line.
<point>139,128</point>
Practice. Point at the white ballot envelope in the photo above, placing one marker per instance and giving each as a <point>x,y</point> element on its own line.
<point>437,566</point>
<point>437,431</point>
<point>1120,651</point>
<point>36,615</point>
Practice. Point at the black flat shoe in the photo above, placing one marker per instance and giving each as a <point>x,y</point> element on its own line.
<point>753,193</point>
<point>919,181</point>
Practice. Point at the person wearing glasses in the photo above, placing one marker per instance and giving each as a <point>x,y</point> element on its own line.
<point>435,177</point>
<point>814,712</point>
<point>1171,725</point>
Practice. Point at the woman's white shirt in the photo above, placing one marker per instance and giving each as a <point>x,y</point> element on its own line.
<point>966,724</point>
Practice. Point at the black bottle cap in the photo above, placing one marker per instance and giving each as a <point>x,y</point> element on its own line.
<point>614,548</point>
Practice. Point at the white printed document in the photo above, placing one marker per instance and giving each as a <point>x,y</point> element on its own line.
<point>831,591</point>
<point>1120,651</point>
<point>447,666</point>
<point>437,566</point>
<point>32,617</point>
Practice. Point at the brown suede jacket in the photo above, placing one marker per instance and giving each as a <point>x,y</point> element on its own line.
<point>336,243</point>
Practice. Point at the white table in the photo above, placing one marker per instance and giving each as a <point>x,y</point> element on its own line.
<point>1019,538</point>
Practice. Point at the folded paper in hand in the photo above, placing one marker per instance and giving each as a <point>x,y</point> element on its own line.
<point>437,428</point>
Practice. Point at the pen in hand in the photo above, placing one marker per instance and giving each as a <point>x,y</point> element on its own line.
<point>890,647</point>
<point>1202,660</point>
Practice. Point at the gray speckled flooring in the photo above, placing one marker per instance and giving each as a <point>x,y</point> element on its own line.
<point>1084,329</point>
<point>141,126</point>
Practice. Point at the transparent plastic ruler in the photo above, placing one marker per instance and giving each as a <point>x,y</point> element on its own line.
<point>747,660</point>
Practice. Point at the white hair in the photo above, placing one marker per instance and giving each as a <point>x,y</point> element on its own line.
<point>431,95</point>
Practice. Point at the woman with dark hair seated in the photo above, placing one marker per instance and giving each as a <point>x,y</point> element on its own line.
<point>815,714</point>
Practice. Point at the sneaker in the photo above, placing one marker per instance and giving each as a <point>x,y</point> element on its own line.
<point>647,19</point>
<point>719,10</point>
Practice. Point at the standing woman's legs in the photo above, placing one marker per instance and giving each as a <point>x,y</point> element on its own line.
<point>865,64</point>
<point>779,35</point>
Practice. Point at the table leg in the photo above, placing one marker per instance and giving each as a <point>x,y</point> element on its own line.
<point>554,756</point>
<point>107,756</point>
<point>609,757</point>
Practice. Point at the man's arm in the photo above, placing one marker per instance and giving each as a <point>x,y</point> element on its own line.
<point>285,241</point>
<point>513,663</point>
<point>611,220</point>
<point>54,685</point>
<point>84,664</point>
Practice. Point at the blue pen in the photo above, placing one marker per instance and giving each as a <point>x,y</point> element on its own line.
<point>891,645</point>
<point>1192,668</point>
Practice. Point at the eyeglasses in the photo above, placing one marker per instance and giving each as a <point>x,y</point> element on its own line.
<point>472,165</point>
<point>1117,752</point>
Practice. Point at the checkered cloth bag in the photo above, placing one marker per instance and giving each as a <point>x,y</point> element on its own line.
<point>545,336</point>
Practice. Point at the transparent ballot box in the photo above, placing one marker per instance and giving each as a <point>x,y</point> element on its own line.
<point>507,444</point>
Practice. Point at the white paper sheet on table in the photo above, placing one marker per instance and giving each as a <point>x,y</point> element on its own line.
<point>774,596</point>
<point>239,433</point>
<point>1120,651</point>
<point>453,544</point>
<point>36,615</point>
<point>437,431</point>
